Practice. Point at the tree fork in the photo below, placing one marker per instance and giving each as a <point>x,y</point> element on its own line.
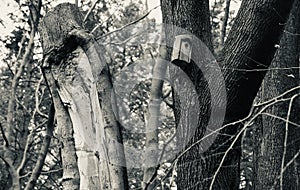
<point>250,46</point>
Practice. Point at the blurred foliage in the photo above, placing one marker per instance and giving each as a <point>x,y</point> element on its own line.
<point>217,17</point>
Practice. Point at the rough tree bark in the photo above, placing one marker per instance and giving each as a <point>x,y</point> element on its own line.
<point>192,16</point>
<point>250,46</point>
<point>271,151</point>
<point>74,70</point>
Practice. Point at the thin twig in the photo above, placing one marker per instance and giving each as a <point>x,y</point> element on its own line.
<point>173,176</point>
<point>28,143</point>
<point>286,166</point>
<point>235,140</point>
<point>225,22</point>
<point>159,161</point>
<point>230,147</point>
<point>90,10</point>
<point>10,69</point>
<point>43,172</point>
<point>265,104</point>
<point>277,97</point>
<point>286,139</point>
<point>133,36</point>
<point>281,118</point>
<point>261,70</point>
<point>99,24</point>
<point>129,24</point>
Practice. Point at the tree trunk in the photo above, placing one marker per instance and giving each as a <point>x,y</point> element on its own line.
<point>70,179</point>
<point>274,154</point>
<point>151,156</point>
<point>192,16</point>
<point>249,47</point>
<point>82,80</point>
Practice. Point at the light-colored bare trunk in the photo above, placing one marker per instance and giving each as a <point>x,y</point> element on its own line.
<point>83,84</point>
<point>151,154</point>
<point>70,179</point>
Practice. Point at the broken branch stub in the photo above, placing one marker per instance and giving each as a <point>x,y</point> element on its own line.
<point>65,43</point>
<point>56,27</point>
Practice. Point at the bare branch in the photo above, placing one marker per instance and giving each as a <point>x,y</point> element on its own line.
<point>286,140</point>
<point>98,25</point>
<point>151,156</point>
<point>90,10</point>
<point>251,119</point>
<point>129,24</point>
<point>237,137</point>
<point>24,157</point>
<point>8,154</point>
<point>152,179</point>
<point>265,105</point>
<point>23,40</point>
<point>262,70</point>
<point>281,118</point>
<point>44,149</point>
<point>277,97</point>
<point>43,172</point>
<point>30,136</point>
<point>230,147</point>
<point>10,69</point>
<point>133,36</point>
<point>286,166</point>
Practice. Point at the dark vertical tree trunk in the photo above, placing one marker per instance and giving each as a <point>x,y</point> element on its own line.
<point>250,46</point>
<point>192,16</point>
<point>273,153</point>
